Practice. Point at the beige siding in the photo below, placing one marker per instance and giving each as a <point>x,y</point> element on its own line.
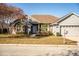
<point>56,29</point>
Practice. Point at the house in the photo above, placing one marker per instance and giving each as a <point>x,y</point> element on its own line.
<point>67,26</point>
<point>40,24</point>
<point>35,24</point>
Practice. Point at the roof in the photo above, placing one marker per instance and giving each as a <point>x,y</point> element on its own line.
<point>44,18</point>
<point>66,16</point>
<point>22,21</point>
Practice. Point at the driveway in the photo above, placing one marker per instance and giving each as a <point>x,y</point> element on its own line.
<point>74,39</point>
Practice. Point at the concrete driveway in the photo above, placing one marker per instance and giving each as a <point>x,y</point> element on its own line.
<point>73,39</point>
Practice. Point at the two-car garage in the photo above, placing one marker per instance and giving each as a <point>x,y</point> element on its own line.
<point>70,31</point>
<point>68,26</point>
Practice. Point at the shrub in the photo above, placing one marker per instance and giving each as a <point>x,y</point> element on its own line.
<point>20,32</point>
<point>50,33</point>
<point>45,33</point>
<point>58,34</point>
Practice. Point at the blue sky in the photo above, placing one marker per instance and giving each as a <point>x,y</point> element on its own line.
<point>56,9</point>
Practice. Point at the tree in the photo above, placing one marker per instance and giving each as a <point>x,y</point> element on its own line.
<point>10,13</point>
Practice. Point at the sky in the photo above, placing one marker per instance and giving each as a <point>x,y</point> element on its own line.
<point>55,9</point>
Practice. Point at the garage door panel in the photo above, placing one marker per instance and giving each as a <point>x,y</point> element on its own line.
<point>70,31</point>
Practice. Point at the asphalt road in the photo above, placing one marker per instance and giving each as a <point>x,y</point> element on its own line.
<point>35,50</point>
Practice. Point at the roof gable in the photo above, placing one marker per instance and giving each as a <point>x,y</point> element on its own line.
<point>66,16</point>
<point>22,21</point>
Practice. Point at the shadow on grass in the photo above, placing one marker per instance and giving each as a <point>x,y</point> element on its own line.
<point>22,36</point>
<point>42,36</point>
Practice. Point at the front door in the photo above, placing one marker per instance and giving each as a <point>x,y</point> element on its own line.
<point>34,28</point>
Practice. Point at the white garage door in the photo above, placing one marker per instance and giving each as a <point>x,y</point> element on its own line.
<point>70,31</point>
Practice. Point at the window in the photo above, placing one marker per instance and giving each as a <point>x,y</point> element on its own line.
<point>18,28</point>
<point>44,27</point>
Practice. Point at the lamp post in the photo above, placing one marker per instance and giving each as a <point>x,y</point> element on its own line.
<point>65,33</point>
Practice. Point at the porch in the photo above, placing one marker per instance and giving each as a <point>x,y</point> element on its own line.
<point>40,29</point>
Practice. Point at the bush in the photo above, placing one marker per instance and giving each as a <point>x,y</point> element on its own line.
<point>45,33</point>
<point>20,33</point>
<point>58,34</point>
<point>50,33</point>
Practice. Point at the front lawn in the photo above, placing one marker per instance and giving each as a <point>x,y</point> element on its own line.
<point>23,39</point>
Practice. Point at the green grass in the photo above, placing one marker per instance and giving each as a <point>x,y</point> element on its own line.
<point>23,39</point>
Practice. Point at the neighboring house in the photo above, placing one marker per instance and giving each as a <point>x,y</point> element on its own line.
<point>67,26</point>
<point>41,23</point>
<point>18,26</point>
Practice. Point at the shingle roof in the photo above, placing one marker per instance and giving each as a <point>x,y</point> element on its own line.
<point>45,18</point>
<point>66,16</point>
